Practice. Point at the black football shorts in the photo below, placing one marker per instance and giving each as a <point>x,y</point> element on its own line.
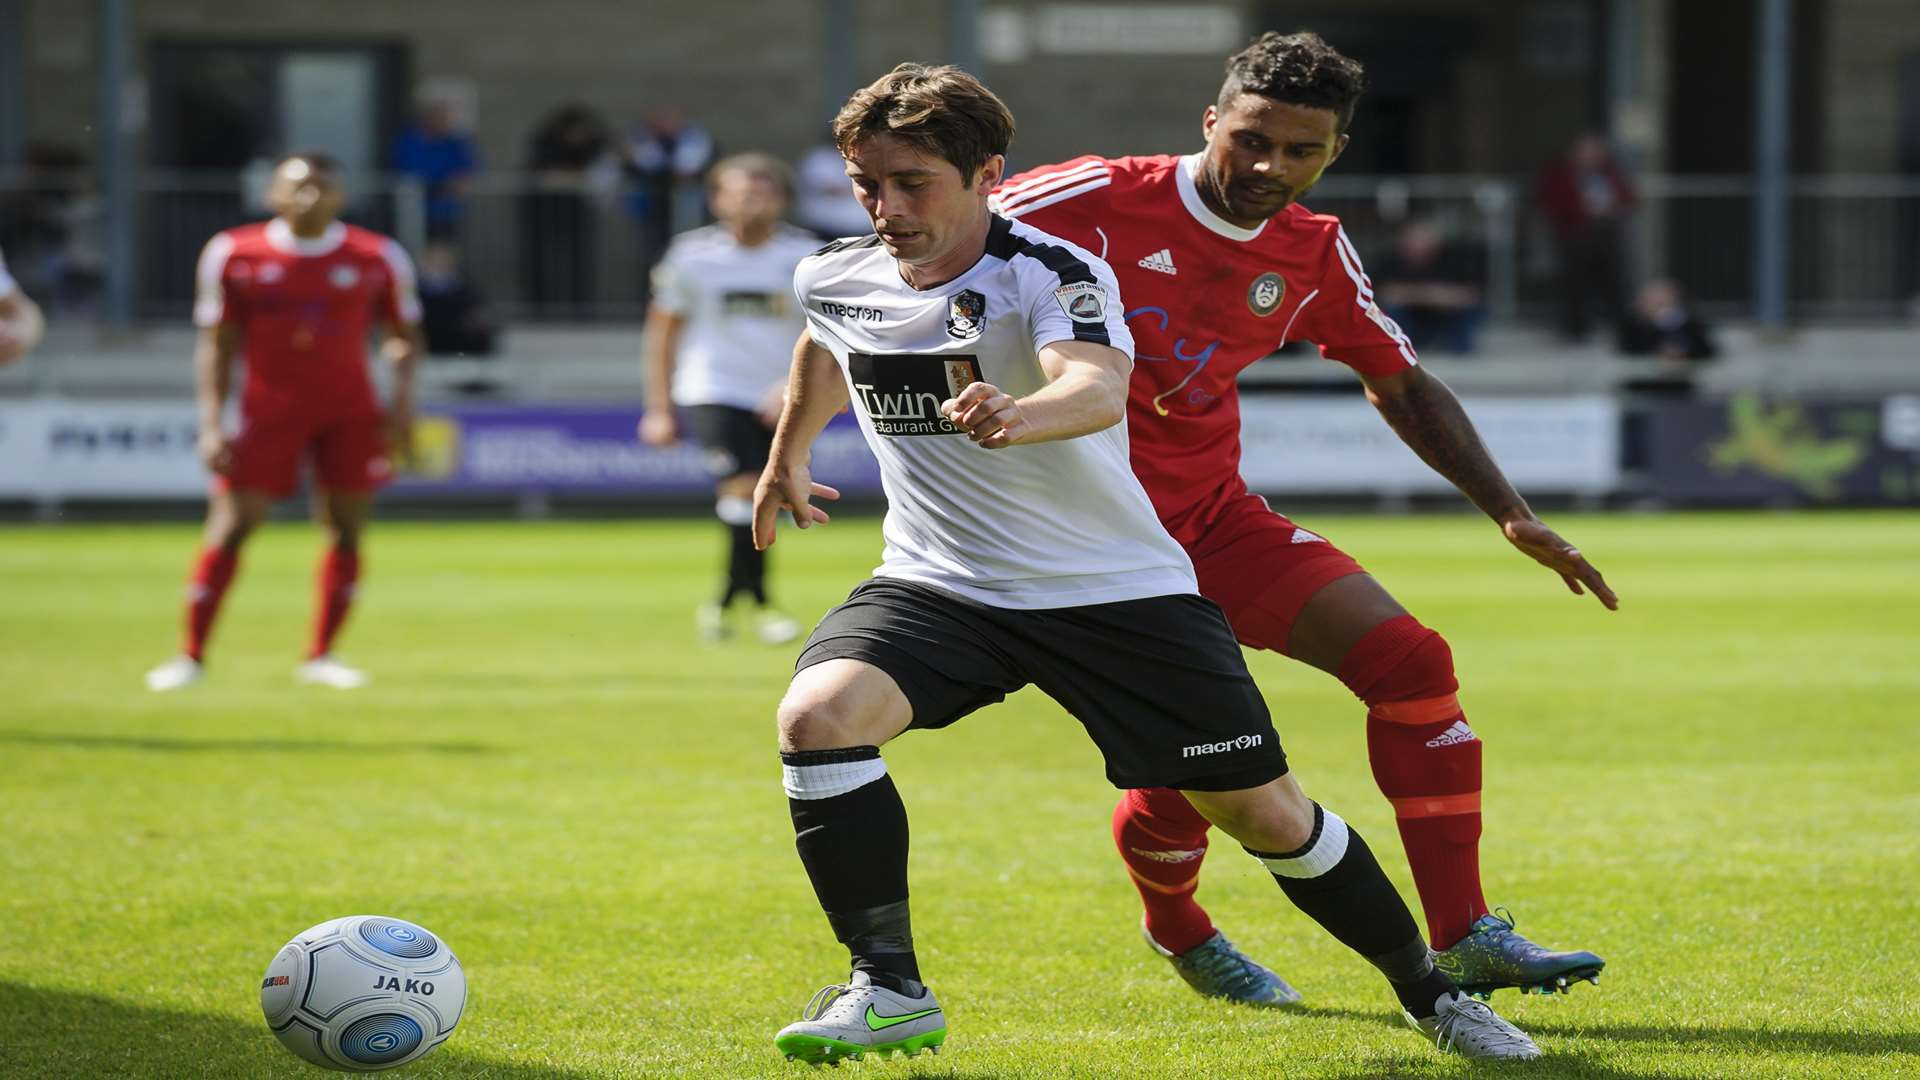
<point>1159,683</point>
<point>735,440</point>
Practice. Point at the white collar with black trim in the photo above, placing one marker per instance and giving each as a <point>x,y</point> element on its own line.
<point>281,238</point>
<point>1190,198</point>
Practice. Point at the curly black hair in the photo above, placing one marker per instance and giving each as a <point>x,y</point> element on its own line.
<point>1299,69</point>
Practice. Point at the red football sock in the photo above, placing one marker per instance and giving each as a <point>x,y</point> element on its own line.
<point>339,572</point>
<point>1163,839</point>
<point>1427,762</point>
<point>207,585</point>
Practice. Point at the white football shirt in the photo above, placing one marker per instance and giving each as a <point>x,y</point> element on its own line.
<point>1053,524</point>
<point>740,320</point>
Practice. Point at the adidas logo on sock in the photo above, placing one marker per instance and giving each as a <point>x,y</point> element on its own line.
<point>1161,260</point>
<point>1454,736</point>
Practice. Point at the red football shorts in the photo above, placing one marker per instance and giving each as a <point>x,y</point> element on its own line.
<point>1262,569</point>
<point>347,453</point>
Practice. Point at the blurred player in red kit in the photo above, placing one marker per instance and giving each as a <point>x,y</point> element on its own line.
<point>297,298</point>
<point>1219,265</point>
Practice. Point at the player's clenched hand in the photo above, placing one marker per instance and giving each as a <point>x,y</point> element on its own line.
<point>792,490</point>
<point>990,415</point>
<point>216,451</point>
<point>1545,547</point>
<point>657,428</point>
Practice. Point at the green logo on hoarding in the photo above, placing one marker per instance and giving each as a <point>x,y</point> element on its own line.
<point>1781,442</point>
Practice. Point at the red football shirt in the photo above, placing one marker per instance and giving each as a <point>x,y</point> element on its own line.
<point>1204,299</point>
<point>304,308</point>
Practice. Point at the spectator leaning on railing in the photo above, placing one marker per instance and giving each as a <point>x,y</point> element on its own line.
<point>1434,288</point>
<point>434,151</point>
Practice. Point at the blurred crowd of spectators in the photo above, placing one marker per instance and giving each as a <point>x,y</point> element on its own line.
<point>1433,279</point>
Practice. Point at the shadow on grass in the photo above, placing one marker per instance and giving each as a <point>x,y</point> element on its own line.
<point>1679,1037</point>
<point>65,1033</point>
<point>270,746</point>
<point>1779,1040</point>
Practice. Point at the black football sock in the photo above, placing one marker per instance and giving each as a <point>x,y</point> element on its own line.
<point>851,830</point>
<point>1335,879</point>
<point>746,566</point>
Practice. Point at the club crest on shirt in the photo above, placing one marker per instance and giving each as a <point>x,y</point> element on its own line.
<point>1265,294</point>
<point>344,277</point>
<point>966,315</point>
<point>1083,301</point>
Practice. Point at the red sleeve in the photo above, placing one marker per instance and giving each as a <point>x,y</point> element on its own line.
<point>1053,197</point>
<point>399,302</point>
<point>215,303</point>
<point>1345,321</point>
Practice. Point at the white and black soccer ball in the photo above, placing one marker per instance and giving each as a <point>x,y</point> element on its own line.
<point>363,993</point>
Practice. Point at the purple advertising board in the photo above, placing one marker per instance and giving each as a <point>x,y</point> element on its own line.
<point>589,449</point>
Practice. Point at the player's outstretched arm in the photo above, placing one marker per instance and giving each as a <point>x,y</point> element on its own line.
<point>1427,416</point>
<point>815,391</point>
<point>1086,392</point>
<point>21,325</point>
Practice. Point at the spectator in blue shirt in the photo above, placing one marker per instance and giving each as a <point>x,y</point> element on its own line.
<point>440,156</point>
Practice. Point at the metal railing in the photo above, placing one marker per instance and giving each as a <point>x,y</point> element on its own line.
<point>540,250</point>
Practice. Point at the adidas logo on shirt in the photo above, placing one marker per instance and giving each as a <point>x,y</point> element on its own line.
<point>1454,736</point>
<point>1161,260</point>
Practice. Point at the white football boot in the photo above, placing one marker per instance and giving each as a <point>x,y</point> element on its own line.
<point>847,1021</point>
<point>176,674</point>
<point>1468,1027</point>
<point>326,671</point>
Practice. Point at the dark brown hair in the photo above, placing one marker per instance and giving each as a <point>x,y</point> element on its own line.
<point>942,112</point>
<point>1298,69</point>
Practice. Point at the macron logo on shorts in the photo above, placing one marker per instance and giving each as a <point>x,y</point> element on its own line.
<point>1453,736</point>
<point>1244,742</point>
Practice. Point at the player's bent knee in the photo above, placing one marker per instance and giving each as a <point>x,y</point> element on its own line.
<point>1275,817</point>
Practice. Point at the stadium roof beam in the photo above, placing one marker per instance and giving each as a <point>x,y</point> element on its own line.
<point>1772,129</point>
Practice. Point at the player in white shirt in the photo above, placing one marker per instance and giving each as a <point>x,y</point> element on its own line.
<point>988,363</point>
<point>718,337</point>
<point>21,324</point>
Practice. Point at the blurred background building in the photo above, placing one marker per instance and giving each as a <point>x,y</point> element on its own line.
<point>1553,157</point>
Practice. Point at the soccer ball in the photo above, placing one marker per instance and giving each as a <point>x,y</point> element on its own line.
<point>363,993</point>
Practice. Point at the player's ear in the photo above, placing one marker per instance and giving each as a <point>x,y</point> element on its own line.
<point>991,173</point>
<point>1339,147</point>
<point>1207,120</point>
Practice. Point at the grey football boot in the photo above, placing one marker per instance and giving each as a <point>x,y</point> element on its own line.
<point>1217,968</point>
<point>1466,1026</point>
<point>848,1020</point>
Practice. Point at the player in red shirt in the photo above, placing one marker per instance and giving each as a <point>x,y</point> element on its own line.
<point>1219,265</point>
<point>297,297</point>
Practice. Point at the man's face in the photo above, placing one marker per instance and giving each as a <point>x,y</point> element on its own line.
<point>309,196</point>
<point>741,197</point>
<point>921,206</point>
<point>1263,154</point>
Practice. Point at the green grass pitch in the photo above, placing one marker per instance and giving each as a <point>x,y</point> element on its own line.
<point>1715,788</point>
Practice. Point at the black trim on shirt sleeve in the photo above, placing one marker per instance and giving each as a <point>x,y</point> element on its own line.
<point>1069,268</point>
